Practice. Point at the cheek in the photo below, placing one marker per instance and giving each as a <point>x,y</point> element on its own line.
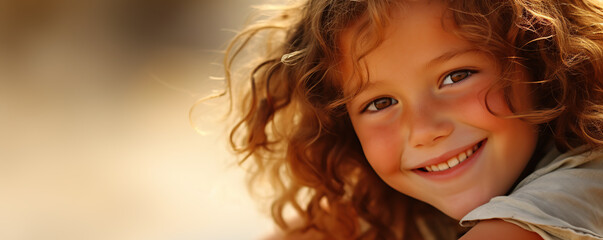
<point>496,115</point>
<point>497,104</point>
<point>510,138</point>
<point>382,145</point>
<point>482,109</point>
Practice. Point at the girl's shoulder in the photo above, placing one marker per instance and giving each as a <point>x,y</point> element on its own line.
<point>578,158</point>
<point>560,200</point>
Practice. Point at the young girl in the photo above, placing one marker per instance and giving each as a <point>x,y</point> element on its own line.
<point>396,119</point>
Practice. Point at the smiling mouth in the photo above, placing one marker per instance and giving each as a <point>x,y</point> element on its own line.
<point>454,161</point>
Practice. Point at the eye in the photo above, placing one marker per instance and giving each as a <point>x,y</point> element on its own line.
<point>456,76</point>
<point>380,104</point>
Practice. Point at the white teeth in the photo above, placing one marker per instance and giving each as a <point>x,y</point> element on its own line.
<point>443,166</point>
<point>453,161</point>
<point>462,156</point>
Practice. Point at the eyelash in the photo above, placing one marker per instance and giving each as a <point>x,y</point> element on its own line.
<point>372,107</point>
<point>449,77</point>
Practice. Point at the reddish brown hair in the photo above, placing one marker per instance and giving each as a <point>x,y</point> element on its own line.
<point>294,128</point>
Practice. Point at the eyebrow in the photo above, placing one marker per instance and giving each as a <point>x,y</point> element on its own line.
<point>452,54</point>
<point>438,60</point>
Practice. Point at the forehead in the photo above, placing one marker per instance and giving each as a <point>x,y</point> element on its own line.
<point>420,30</point>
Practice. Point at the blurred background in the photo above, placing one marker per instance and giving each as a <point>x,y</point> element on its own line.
<point>94,116</point>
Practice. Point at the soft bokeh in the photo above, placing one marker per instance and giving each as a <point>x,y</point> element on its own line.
<point>96,141</point>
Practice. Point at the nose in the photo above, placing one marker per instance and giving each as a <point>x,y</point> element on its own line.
<point>427,126</point>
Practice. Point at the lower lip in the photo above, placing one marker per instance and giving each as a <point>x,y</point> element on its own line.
<point>454,171</point>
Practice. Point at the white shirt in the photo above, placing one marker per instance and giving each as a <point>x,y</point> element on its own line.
<point>562,199</point>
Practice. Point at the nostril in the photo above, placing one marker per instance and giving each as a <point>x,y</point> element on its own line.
<point>437,138</point>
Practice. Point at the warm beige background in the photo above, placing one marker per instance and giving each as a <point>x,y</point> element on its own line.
<point>96,141</point>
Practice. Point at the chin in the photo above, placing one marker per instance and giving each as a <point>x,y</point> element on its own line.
<point>457,214</point>
<point>460,208</point>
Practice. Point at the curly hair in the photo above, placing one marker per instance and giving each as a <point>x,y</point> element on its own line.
<point>294,128</point>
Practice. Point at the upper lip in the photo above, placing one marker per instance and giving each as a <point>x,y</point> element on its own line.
<point>446,156</point>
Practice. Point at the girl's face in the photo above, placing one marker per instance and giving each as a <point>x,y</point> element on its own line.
<point>422,119</point>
